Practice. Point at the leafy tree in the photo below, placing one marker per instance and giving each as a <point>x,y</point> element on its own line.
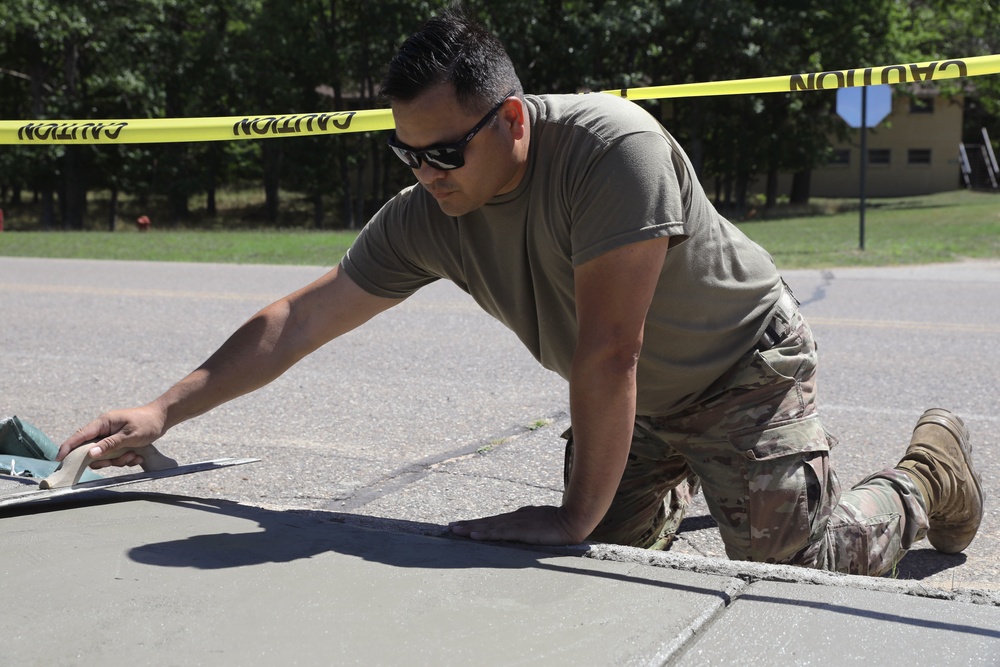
<point>41,43</point>
<point>936,30</point>
<point>163,58</point>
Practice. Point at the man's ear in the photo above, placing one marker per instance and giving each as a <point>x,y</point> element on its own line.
<point>515,116</point>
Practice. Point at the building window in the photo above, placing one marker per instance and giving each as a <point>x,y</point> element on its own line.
<point>918,156</point>
<point>841,157</point>
<point>921,105</point>
<point>879,157</point>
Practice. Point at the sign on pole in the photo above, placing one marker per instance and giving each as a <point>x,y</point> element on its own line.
<point>879,105</point>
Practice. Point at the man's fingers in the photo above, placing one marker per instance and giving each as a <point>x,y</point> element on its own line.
<point>91,431</point>
<point>106,447</point>
<point>533,525</point>
<point>464,528</point>
<point>101,447</point>
<point>480,532</point>
<point>129,458</point>
<point>460,528</point>
<point>483,528</point>
<point>103,437</point>
<point>479,529</point>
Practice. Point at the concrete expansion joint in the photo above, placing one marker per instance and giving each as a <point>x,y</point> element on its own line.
<point>743,574</point>
<point>750,573</point>
<point>414,472</point>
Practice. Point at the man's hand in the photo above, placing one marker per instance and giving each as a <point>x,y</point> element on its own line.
<point>118,430</point>
<point>532,525</point>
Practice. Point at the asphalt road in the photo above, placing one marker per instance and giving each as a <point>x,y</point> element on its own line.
<point>434,411</point>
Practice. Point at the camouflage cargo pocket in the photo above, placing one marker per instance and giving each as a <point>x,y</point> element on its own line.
<point>791,490</point>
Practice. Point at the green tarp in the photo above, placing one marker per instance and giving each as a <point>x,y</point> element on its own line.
<point>27,452</point>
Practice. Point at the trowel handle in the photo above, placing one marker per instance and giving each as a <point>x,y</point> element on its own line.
<point>69,471</point>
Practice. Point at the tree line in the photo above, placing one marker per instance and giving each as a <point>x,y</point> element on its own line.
<point>124,59</point>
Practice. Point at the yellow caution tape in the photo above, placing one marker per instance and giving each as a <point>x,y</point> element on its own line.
<point>162,130</point>
<point>849,78</point>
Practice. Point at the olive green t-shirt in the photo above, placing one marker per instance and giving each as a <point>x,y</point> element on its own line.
<point>602,173</point>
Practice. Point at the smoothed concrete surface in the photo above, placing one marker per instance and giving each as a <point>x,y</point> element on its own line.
<point>432,413</point>
<point>776,624</point>
<point>126,578</point>
<point>163,580</point>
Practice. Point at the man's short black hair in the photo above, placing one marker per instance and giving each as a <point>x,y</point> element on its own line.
<point>452,48</point>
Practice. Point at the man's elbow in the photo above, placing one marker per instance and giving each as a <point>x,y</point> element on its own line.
<point>614,358</point>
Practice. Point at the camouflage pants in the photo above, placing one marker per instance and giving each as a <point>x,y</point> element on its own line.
<point>757,448</point>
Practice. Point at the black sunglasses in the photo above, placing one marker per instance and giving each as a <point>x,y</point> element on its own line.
<point>443,156</point>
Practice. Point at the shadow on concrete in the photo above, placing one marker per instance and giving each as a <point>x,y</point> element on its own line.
<point>292,535</point>
<point>285,536</point>
<point>923,563</point>
<point>289,535</point>
<point>692,523</point>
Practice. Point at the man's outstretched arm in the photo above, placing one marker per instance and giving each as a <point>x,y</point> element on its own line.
<point>267,345</point>
<point>613,293</point>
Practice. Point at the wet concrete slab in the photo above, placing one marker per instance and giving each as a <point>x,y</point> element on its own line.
<point>776,624</point>
<point>130,578</point>
<point>195,579</point>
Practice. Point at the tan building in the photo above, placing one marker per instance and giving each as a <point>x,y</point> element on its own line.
<point>914,151</point>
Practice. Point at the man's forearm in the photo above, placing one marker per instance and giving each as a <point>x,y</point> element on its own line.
<point>602,405</point>
<point>257,353</point>
<point>271,342</point>
<point>262,349</point>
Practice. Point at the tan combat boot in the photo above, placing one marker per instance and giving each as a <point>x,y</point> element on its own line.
<point>939,459</point>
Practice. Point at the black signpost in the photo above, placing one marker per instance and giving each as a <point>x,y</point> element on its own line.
<point>853,107</point>
<point>864,167</point>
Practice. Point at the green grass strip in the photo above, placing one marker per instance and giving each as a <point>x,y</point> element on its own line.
<point>311,248</point>
<point>916,230</point>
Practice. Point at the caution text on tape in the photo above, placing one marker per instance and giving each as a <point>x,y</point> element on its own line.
<point>166,130</point>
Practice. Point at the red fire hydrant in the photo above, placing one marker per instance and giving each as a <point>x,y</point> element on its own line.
<point>143,222</point>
